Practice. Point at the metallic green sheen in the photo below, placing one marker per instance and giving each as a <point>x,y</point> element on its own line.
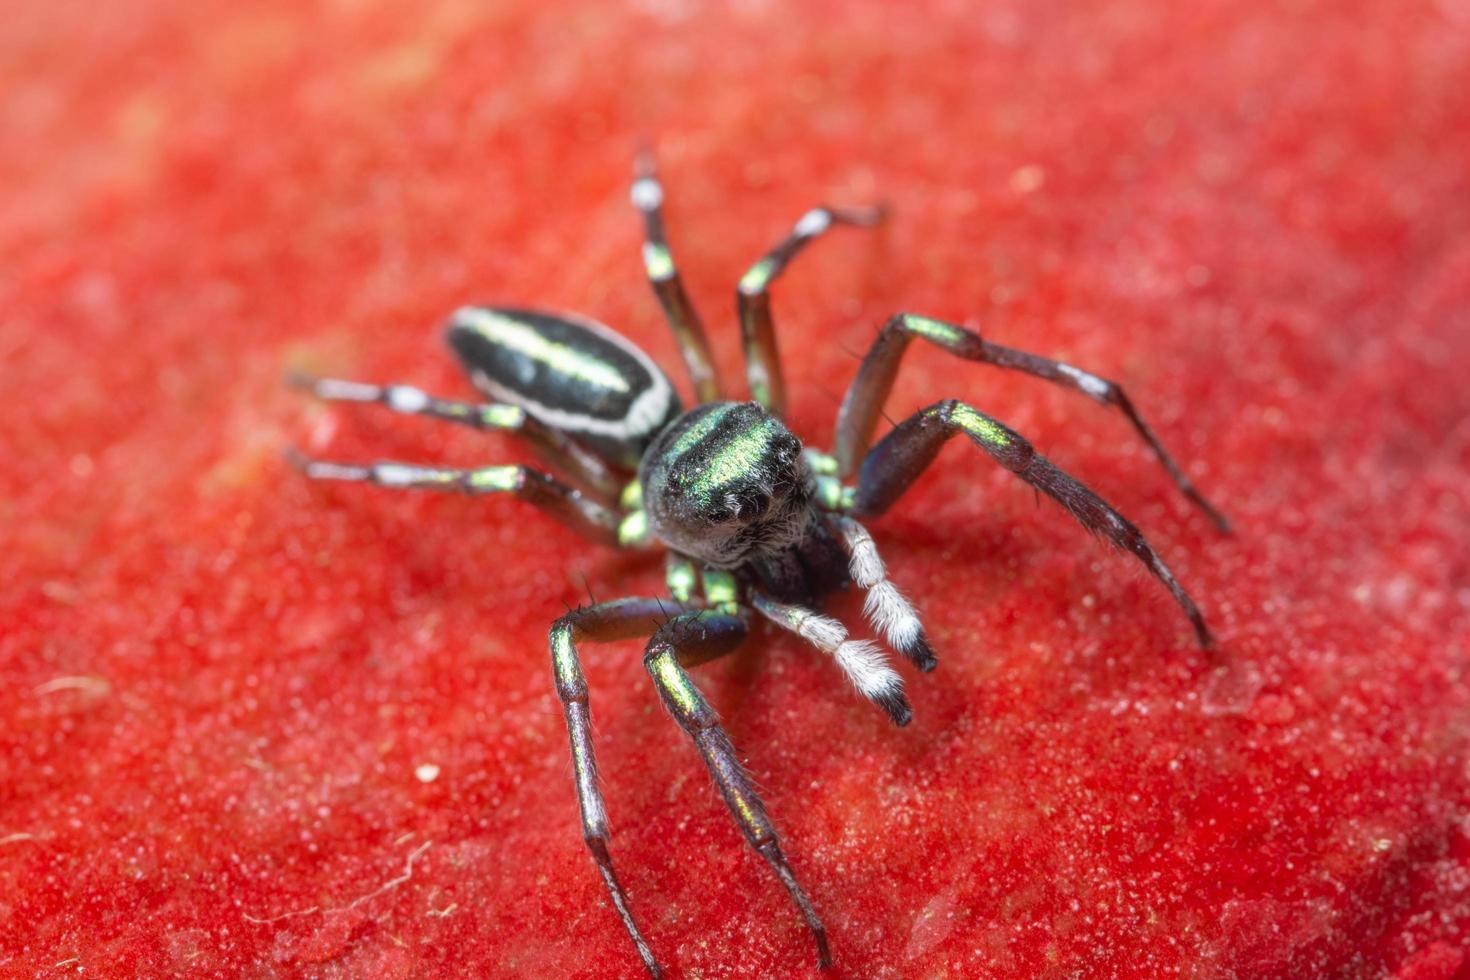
<point>758,276</point>
<point>935,330</point>
<point>720,588</point>
<point>503,416</point>
<point>658,262</point>
<point>633,531</point>
<point>680,579</point>
<point>676,684</point>
<point>832,495</point>
<point>979,426</point>
<point>820,462</point>
<point>743,454</point>
<point>502,478</point>
<point>632,496</point>
<point>696,433</point>
<point>564,659</point>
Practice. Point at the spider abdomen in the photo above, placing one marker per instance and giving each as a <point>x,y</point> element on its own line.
<point>569,373</point>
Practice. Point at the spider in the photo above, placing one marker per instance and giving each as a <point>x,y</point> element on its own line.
<point>754,524</point>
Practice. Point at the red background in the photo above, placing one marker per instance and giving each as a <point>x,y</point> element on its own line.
<point>220,681</point>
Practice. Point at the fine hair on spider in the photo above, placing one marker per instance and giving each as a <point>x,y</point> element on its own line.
<point>755,525</point>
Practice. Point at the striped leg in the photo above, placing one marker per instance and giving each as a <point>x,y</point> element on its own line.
<point>865,397</point>
<point>569,506</point>
<point>907,451</point>
<point>620,619</point>
<point>861,660</point>
<point>648,197</point>
<point>553,446</point>
<point>886,608</point>
<point>669,648</point>
<point>753,300</point>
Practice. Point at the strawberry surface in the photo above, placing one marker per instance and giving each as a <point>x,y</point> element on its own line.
<point>253,726</point>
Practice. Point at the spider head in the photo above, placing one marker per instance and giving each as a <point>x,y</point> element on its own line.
<point>726,483</point>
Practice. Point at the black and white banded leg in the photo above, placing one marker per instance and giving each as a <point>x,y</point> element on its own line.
<point>647,195</point>
<point>753,300</point>
<point>667,653</point>
<point>869,390</point>
<point>898,459</point>
<point>862,661</point>
<point>552,445</point>
<point>566,504</point>
<point>619,619</point>
<point>887,609</point>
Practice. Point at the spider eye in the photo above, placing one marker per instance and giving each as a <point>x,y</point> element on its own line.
<point>729,510</point>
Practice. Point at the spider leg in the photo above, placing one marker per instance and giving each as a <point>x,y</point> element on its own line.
<point>647,195</point>
<point>753,300</point>
<point>667,651</point>
<point>680,576</point>
<point>861,660</point>
<point>569,506</point>
<point>552,445</point>
<point>865,397</point>
<point>619,619</point>
<point>898,459</point>
<point>886,608</point>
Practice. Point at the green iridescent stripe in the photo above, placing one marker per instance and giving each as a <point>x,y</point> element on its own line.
<point>632,496</point>
<point>524,339</point>
<point>676,685</point>
<point>680,578</point>
<point>697,432</point>
<point>564,660</point>
<point>720,589</point>
<point>833,495</point>
<point>979,426</point>
<point>758,276</point>
<point>740,456</point>
<point>658,261</point>
<point>495,478</point>
<point>820,462</point>
<point>634,529</point>
<point>503,416</point>
<point>931,329</point>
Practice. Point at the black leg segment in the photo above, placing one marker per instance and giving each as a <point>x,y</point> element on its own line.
<point>568,505</point>
<point>620,619</point>
<point>552,445</point>
<point>907,451</point>
<point>669,648</point>
<point>753,300</point>
<point>647,195</point>
<point>865,397</point>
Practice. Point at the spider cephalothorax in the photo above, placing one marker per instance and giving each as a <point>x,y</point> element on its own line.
<point>753,523</point>
<point>726,484</point>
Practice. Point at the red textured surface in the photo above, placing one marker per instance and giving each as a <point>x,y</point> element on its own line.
<point>219,682</point>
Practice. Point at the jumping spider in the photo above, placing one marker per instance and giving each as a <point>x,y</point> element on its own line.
<point>752,521</point>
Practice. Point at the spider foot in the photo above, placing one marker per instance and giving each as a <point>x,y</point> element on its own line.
<point>771,851</point>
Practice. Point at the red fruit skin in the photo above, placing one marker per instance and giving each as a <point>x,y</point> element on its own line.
<point>222,684</point>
